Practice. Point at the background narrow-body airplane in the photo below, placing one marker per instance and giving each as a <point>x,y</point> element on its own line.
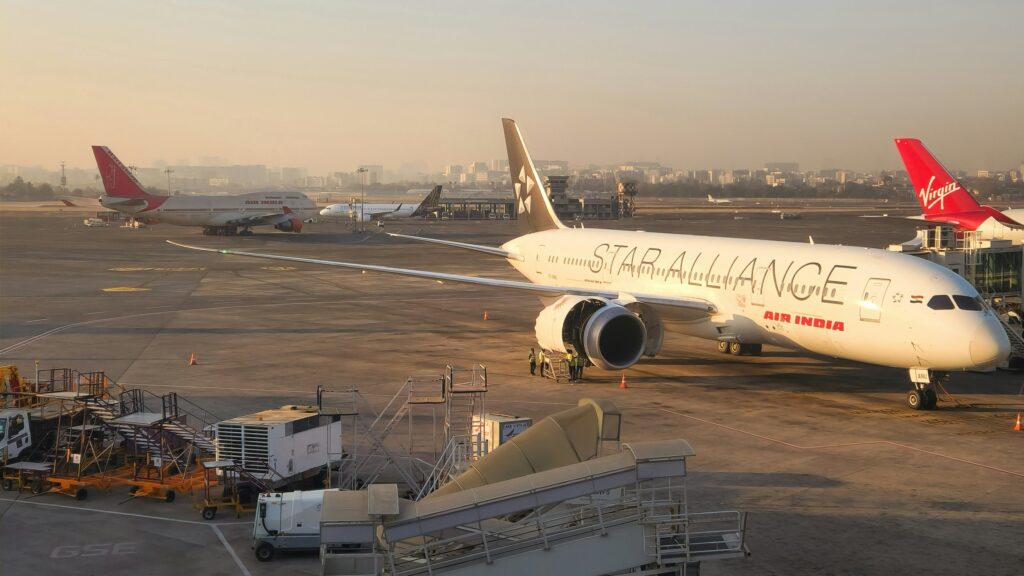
<point>285,211</point>
<point>375,212</point>
<point>612,295</point>
<point>944,199</point>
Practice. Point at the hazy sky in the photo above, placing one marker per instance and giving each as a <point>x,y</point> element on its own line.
<point>329,85</point>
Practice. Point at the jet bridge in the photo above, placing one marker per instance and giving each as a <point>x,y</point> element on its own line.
<point>626,512</point>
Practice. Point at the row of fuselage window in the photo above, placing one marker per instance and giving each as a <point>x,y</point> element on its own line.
<point>730,282</point>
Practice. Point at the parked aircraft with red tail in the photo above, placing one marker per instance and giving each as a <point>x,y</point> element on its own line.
<point>944,199</point>
<point>227,215</point>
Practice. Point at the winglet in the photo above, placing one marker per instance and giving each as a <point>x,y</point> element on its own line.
<point>534,209</point>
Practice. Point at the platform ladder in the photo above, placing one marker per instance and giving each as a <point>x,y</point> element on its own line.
<point>368,456</point>
<point>465,408</point>
<point>558,368</point>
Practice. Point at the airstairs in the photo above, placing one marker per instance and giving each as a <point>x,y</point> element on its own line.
<point>122,436</point>
<point>1016,359</point>
<point>622,513</point>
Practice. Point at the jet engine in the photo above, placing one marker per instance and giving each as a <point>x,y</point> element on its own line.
<point>290,225</point>
<point>610,335</point>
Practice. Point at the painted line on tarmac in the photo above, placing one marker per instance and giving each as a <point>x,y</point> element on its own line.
<point>847,444</point>
<point>36,320</point>
<point>112,512</point>
<point>59,329</point>
<point>224,541</point>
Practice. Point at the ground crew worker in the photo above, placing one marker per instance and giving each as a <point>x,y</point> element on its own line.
<point>540,360</point>
<point>568,365</point>
<point>580,363</point>
<point>533,362</point>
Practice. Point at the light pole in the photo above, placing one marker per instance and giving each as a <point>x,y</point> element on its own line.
<point>362,197</point>
<point>168,171</point>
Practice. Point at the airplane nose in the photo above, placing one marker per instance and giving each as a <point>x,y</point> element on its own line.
<point>989,345</point>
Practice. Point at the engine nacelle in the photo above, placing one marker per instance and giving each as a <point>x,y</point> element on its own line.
<point>290,225</point>
<point>612,337</point>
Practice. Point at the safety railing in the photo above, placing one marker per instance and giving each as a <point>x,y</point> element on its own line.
<point>489,539</point>
<point>691,537</point>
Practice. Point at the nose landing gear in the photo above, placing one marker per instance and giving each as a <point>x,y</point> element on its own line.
<point>924,396</point>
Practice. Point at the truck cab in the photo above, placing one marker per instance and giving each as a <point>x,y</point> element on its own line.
<point>15,433</point>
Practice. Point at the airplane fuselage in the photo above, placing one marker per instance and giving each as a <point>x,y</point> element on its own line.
<point>377,211</point>
<point>856,303</point>
<point>213,211</point>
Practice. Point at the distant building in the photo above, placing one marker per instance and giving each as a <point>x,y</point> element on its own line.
<point>374,173</point>
<point>293,176</point>
<point>783,167</point>
<point>453,170</point>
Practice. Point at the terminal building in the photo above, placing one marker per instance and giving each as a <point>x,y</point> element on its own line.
<point>568,208</point>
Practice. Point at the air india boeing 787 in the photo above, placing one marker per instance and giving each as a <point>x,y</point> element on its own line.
<point>611,295</point>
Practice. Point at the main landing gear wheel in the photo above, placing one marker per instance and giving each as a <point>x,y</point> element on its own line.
<point>735,348</point>
<point>723,347</point>
<point>931,398</point>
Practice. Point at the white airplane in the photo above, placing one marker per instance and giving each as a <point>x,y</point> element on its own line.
<point>611,295</point>
<point>717,201</point>
<point>285,211</point>
<point>944,199</point>
<point>372,212</point>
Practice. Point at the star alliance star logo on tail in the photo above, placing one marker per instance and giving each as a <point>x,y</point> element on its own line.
<point>524,197</point>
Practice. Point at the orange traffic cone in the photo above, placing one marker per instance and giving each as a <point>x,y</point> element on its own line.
<point>485,314</point>
<point>622,383</point>
<point>1016,427</point>
<point>192,359</point>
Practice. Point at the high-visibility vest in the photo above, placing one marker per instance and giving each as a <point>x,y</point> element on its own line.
<point>533,358</point>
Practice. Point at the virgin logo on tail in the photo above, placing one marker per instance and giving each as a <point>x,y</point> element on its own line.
<point>929,198</point>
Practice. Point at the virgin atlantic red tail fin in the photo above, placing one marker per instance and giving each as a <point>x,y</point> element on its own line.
<point>942,197</point>
<point>118,181</point>
<point>937,190</point>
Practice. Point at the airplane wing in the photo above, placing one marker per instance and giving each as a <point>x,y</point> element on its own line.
<point>698,305</point>
<point>265,219</point>
<point>476,247</point>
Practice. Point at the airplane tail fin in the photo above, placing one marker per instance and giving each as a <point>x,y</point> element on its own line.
<point>534,209</point>
<point>118,181</point>
<point>430,202</point>
<point>937,190</point>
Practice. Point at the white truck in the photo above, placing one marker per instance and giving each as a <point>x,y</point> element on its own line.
<point>287,521</point>
<point>22,430</point>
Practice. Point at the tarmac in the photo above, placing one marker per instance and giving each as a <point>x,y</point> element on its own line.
<point>837,475</point>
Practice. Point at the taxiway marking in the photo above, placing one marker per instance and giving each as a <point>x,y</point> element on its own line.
<point>846,444</point>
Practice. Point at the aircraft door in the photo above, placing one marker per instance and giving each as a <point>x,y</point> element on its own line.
<point>872,298</point>
<point>541,254</point>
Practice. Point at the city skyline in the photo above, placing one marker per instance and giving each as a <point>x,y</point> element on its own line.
<point>335,85</point>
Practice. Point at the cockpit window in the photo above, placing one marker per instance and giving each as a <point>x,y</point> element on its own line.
<point>968,302</point>
<point>940,302</point>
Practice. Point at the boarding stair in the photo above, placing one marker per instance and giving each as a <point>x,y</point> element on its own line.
<point>1016,359</point>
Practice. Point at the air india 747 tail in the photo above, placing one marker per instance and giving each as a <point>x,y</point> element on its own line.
<point>944,199</point>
